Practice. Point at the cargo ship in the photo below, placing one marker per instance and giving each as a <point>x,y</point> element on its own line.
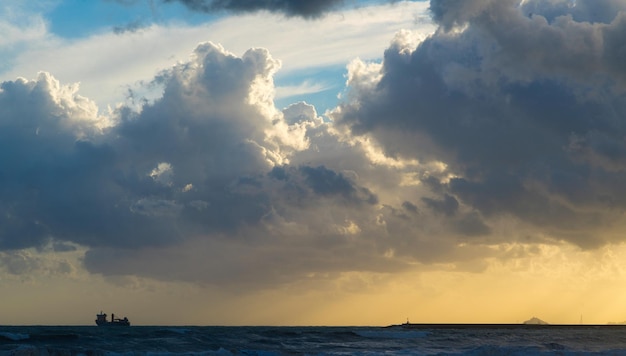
<point>101,320</point>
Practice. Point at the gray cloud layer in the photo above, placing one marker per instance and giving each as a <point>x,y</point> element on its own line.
<point>515,113</point>
<point>525,105</point>
<point>207,175</point>
<point>307,9</point>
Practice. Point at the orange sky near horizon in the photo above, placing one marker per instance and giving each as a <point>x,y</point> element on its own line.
<point>558,285</point>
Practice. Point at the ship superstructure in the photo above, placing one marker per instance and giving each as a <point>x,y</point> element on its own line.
<point>101,320</point>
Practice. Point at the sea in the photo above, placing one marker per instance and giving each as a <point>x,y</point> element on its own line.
<point>226,341</point>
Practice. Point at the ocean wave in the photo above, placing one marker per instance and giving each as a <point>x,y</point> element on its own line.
<point>392,334</point>
<point>13,336</point>
<point>319,341</point>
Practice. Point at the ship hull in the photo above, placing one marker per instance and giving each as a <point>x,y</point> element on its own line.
<point>115,323</point>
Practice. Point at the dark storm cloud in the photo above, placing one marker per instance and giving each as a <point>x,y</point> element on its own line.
<point>504,116</point>
<point>307,9</point>
<point>471,225</point>
<point>448,205</point>
<point>523,102</point>
<point>36,137</point>
<point>326,182</point>
<point>572,40</point>
<point>581,10</point>
<point>201,175</point>
<point>409,206</point>
<point>143,182</point>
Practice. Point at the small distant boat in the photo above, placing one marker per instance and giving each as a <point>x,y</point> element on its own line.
<point>101,320</point>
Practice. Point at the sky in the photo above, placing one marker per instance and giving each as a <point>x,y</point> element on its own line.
<point>328,162</point>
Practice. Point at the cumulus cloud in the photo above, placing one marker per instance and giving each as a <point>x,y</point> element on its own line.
<point>522,102</point>
<point>96,185</point>
<point>449,146</point>
<point>210,164</point>
<point>211,183</point>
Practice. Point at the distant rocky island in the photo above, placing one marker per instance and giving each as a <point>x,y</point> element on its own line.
<point>535,321</point>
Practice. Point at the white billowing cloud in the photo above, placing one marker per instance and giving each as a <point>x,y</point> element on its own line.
<point>163,173</point>
<point>211,183</point>
<point>522,103</point>
<point>211,175</point>
<point>49,108</point>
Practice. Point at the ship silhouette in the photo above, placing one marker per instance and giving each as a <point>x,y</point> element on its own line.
<point>101,320</point>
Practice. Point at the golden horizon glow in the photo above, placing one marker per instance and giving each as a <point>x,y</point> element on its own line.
<point>557,284</point>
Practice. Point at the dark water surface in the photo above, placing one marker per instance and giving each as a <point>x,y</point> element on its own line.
<point>213,340</point>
